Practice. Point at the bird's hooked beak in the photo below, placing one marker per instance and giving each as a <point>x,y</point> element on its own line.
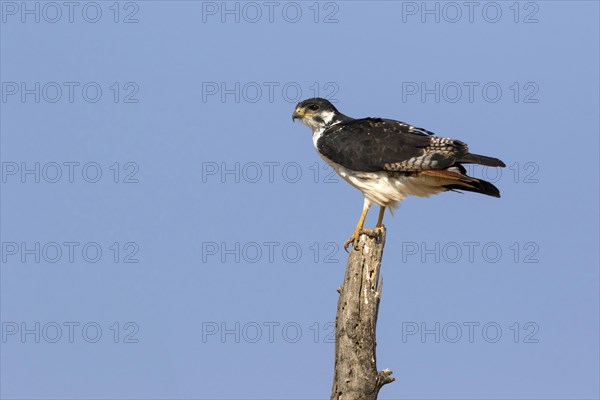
<point>299,113</point>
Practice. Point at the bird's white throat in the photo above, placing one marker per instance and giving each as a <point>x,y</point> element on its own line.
<point>319,127</point>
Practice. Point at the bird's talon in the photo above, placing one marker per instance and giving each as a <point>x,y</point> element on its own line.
<point>378,230</point>
<point>373,233</point>
<point>353,240</point>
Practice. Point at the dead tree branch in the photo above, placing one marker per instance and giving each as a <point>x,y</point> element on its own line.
<point>356,376</point>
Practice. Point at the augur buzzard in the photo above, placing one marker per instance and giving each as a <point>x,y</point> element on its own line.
<point>388,160</point>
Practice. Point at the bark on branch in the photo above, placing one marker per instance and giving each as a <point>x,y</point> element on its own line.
<point>356,376</point>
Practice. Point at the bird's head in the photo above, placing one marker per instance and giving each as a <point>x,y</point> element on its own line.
<point>317,113</point>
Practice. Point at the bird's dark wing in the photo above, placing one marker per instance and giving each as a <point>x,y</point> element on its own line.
<point>374,144</point>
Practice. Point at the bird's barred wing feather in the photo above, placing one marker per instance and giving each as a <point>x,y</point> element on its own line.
<point>374,144</point>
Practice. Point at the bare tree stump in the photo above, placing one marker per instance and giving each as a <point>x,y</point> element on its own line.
<point>355,375</point>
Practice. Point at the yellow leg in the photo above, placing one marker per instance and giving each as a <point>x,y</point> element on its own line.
<point>361,220</point>
<point>380,219</point>
<point>359,226</point>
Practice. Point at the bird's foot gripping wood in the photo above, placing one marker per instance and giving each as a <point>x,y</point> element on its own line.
<point>355,238</point>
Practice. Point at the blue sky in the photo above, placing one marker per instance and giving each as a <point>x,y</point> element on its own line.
<point>168,232</point>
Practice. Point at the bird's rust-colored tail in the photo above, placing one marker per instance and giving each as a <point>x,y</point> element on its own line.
<point>451,180</point>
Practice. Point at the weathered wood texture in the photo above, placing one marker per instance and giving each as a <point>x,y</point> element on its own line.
<point>356,376</point>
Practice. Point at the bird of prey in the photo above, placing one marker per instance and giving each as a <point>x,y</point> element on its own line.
<point>388,160</point>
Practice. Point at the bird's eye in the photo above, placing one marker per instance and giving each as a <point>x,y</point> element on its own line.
<point>313,107</point>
